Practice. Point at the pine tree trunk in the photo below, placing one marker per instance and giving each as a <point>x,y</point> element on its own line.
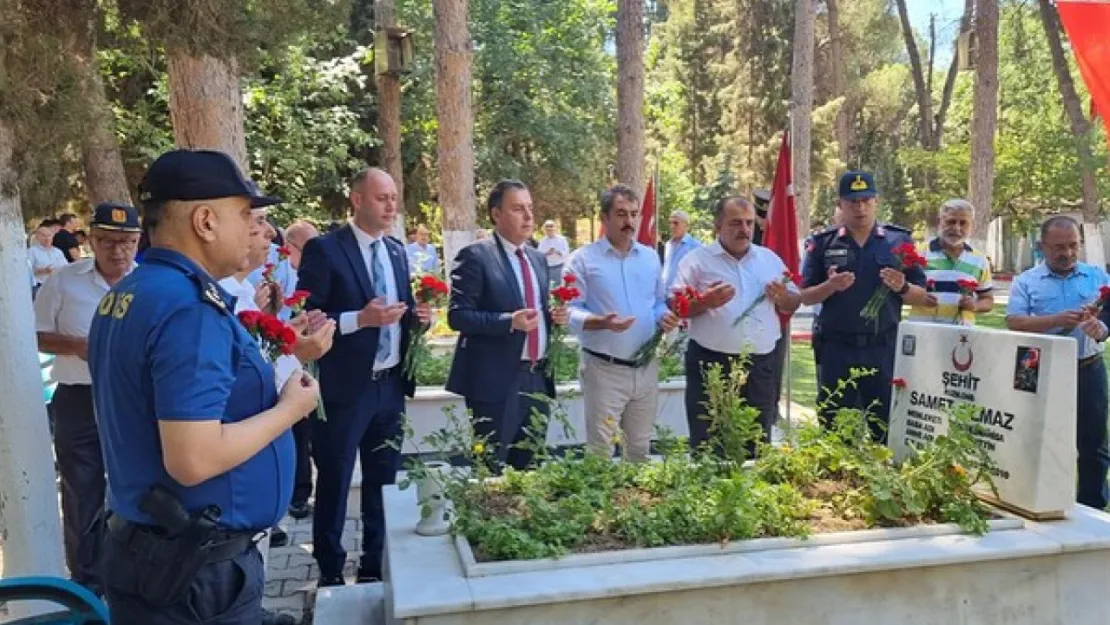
<point>455,134</point>
<point>1081,130</point>
<point>839,89</point>
<point>630,94</point>
<point>206,105</point>
<point>389,117</point>
<point>105,177</point>
<point>984,121</point>
<point>29,509</point>
<point>924,97</point>
<point>801,106</point>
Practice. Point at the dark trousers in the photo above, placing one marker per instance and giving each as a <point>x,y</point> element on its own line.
<point>758,390</point>
<point>81,467</point>
<point>366,428</point>
<point>223,593</point>
<point>836,357</point>
<point>504,423</point>
<point>302,477</point>
<point>1090,435</point>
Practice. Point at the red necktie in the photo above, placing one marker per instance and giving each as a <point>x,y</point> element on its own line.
<point>529,302</point>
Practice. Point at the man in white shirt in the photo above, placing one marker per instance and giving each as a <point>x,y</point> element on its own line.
<point>679,245</point>
<point>64,311</point>
<point>44,258</point>
<point>555,249</point>
<point>621,306</point>
<point>733,273</point>
<point>422,255</point>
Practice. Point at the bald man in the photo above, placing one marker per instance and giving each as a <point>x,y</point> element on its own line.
<point>359,276</point>
<point>296,235</point>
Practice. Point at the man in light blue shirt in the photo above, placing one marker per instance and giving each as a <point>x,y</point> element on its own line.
<point>680,244</point>
<point>285,276</point>
<point>621,306</point>
<point>422,254</point>
<point>1059,297</point>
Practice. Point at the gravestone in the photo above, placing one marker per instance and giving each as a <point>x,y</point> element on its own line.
<point>1025,387</point>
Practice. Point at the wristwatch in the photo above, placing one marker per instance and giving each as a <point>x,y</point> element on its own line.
<point>905,288</point>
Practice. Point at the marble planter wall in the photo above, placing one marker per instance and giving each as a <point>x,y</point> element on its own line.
<point>1042,573</point>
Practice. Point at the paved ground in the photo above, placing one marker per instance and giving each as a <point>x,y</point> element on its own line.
<point>292,573</point>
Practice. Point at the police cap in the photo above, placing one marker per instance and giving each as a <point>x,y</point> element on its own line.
<point>199,175</point>
<point>117,217</point>
<point>857,185</point>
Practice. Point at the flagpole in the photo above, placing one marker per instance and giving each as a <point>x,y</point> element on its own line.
<point>790,323</point>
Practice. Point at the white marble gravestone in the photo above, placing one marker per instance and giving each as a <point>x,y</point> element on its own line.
<point>1025,385</point>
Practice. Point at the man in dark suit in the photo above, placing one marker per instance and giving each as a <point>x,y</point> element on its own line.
<point>359,276</point>
<point>499,306</point>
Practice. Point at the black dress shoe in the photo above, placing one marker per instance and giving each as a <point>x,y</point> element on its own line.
<point>366,577</point>
<point>278,618</point>
<point>300,510</point>
<point>278,537</point>
<point>330,580</point>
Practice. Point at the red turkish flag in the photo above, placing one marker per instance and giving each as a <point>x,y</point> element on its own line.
<point>1087,23</point>
<point>647,217</point>
<point>780,233</point>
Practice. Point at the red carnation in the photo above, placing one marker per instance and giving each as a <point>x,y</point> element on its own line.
<point>569,279</point>
<point>967,286</point>
<point>898,383</point>
<point>283,252</point>
<point>930,284</point>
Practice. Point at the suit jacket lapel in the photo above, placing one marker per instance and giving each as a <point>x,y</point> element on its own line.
<point>397,258</point>
<point>349,244</point>
<point>507,269</point>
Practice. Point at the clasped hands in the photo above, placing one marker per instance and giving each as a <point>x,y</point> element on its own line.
<point>528,319</point>
<point>1086,319</point>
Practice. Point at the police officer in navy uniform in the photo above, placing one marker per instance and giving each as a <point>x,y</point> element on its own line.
<point>196,437</point>
<point>844,266</point>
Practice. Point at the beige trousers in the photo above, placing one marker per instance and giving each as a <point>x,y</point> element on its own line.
<point>621,397</point>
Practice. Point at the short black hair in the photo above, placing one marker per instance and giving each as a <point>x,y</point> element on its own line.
<point>49,223</point>
<point>1059,221</point>
<point>612,193</point>
<point>66,218</point>
<point>722,204</point>
<point>154,213</point>
<point>497,194</point>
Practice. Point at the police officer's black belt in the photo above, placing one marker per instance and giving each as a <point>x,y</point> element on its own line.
<point>381,374</point>
<point>845,339</point>
<point>225,545</point>
<point>611,359</point>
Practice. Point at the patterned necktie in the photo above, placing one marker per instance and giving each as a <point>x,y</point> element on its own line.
<point>377,275</point>
<point>530,300</point>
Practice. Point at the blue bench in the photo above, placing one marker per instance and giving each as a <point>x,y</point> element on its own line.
<point>80,605</point>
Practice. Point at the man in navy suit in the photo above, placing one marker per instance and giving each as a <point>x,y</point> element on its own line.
<point>359,276</point>
<point>499,306</point>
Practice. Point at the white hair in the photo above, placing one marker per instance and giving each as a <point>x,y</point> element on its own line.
<point>681,216</point>
<point>957,204</point>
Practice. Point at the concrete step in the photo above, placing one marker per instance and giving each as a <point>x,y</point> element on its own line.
<point>357,604</point>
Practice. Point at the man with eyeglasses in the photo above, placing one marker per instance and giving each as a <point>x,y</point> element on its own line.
<point>64,311</point>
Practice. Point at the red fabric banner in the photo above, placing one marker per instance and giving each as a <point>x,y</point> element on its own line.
<point>648,233</point>
<point>780,233</point>
<point>1087,23</point>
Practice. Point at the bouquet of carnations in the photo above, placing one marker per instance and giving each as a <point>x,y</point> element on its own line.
<point>274,337</point>
<point>907,258</point>
<point>557,349</point>
<point>786,278</point>
<point>426,289</point>
<point>681,303</point>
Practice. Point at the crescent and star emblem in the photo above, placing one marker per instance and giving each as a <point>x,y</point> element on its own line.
<point>962,349</point>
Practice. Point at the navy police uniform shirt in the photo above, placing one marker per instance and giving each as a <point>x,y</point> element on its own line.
<point>835,247</point>
<point>165,346</point>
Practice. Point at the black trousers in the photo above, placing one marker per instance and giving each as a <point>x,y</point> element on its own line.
<point>81,466</point>
<point>758,390</point>
<point>362,428</point>
<point>779,354</point>
<point>302,477</point>
<point>223,593</point>
<point>504,423</point>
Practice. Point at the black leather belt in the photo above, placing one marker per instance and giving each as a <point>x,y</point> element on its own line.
<point>858,340</point>
<point>528,365</point>
<point>225,546</point>
<point>1083,362</point>
<point>381,374</point>
<point>612,359</point>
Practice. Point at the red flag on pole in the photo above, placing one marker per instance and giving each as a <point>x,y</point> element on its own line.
<point>647,216</point>
<point>1087,23</point>
<point>780,233</point>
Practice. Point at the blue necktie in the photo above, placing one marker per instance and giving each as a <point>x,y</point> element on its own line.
<point>377,269</point>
